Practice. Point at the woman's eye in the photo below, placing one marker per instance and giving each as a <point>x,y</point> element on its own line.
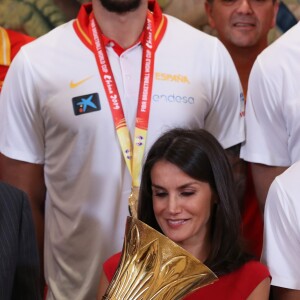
<point>159,194</point>
<point>187,193</point>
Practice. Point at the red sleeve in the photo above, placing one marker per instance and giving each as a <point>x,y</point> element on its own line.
<point>236,285</point>
<point>110,266</point>
<point>254,273</point>
<point>17,40</point>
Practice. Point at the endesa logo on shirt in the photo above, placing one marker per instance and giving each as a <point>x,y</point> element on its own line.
<point>86,104</point>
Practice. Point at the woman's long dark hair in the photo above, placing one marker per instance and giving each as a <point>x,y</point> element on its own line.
<point>198,154</point>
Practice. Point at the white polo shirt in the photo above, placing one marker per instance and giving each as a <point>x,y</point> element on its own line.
<point>282,229</point>
<point>273,104</point>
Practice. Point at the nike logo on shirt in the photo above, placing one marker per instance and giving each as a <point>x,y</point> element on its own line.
<point>74,85</point>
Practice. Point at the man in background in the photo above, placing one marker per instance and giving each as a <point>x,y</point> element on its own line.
<point>273,119</point>
<point>243,27</point>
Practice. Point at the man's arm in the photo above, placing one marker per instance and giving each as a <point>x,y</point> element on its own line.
<point>263,176</point>
<point>284,294</point>
<point>29,178</point>
<point>239,168</point>
<point>27,272</point>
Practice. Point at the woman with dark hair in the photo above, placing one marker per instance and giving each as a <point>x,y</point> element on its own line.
<point>187,193</point>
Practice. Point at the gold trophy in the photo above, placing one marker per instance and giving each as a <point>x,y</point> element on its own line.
<point>152,267</point>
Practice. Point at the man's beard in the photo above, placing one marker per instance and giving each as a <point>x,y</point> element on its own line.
<point>120,6</point>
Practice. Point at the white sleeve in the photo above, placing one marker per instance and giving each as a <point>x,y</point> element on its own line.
<point>266,134</point>
<point>21,125</point>
<point>282,237</point>
<point>226,118</point>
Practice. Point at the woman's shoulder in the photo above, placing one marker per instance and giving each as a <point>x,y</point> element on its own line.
<point>249,276</point>
<point>253,267</point>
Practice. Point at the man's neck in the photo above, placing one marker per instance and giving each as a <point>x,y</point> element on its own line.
<point>125,29</point>
<point>243,58</point>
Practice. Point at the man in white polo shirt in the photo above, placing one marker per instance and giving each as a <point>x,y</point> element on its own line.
<point>282,234</point>
<point>243,27</point>
<point>273,112</point>
<point>74,127</point>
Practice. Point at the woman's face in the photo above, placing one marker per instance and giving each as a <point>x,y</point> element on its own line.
<point>182,205</point>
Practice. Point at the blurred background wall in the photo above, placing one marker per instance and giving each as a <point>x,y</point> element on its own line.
<point>36,17</point>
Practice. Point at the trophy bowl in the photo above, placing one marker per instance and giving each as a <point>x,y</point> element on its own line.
<point>154,267</point>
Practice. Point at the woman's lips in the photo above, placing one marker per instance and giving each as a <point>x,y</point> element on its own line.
<point>175,223</point>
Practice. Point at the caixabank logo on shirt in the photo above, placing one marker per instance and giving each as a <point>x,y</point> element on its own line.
<point>86,104</point>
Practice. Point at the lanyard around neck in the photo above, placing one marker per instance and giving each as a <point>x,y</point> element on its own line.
<point>132,152</point>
